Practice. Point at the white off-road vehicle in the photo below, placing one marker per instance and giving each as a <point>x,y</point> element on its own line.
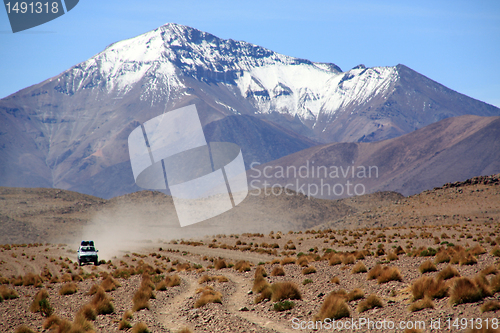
<point>87,253</point>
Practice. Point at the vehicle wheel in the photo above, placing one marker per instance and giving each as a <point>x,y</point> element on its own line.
<point>79,263</point>
<point>96,262</point>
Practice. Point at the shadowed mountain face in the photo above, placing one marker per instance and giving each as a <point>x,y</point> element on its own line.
<point>452,149</point>
<point>71,130</point>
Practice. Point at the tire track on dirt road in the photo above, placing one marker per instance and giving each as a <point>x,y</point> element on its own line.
<point>169,314</point>
<point>236,300</point>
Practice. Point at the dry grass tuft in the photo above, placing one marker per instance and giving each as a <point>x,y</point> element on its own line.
<point>93,289</point>
<point>355,294</point>
<point>442,256</point>
<point>7,293</point>
<point>309,270</point>
<point>141,298</point>
<point>278,271</point>
<point>374,272</point>
<point>218,278</point>
<point>448,272</point>
<point>140,327</point>
<point>489,270</point>
<point>208,295</point>
<point>285,290</point>
<point>265,294</point>
<point>259,284</point>
<point>334,307</point>
<point>51,322</point>
<point>81,324</point>
<point>109,284</point>
<point>359,268</point>
<point>31,279</point>
<point>335,280</point>
<point>302,261</point>
<point>369,303</point>
<point>495,283</point>
<point>173,281</point>
<point>24,329</point>
<point>260,271</point>
<point>220,264</point>
<point>88,312</point>
<point>348,259</point>
<point>124,322</point>
<point>242,266</point>
<point>477,250</point>
<point>66,278</point>
<point>69,288</point>
<point>429,287</point>
<point>288,261</point>
<point>384,274</point>
<point>491,305</point>
<point>465,290</point>
<point>41,303</point>
<point>425,303</point>
<point>467,259</point>
<point>335,260</point>
<point>392,256</point>
<point>427,266</point>
<point>102,302</point>
<point>483,284</point>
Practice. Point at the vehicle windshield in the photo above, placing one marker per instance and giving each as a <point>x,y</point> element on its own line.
<point>88,249</point>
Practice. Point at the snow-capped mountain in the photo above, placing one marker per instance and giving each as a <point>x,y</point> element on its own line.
<point>71,130</point>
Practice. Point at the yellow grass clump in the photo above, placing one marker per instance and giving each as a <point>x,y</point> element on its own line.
<point>69,288</point>
<point>348,259</point>
<point>359,268</point>
<point>384,274</point>
<point>425,303</point>
<point>427,266</point>
<point>260,271</point>
<point>7,293</point>
<point>220,264</point>
<point>335,260</point>
<point>140,327</point>
<point>109,284</point>
<point>278,271</point>
<point>309,270</point>
<point>24,329</point>
<point>448,272</point>
<point>285,290</point>
<point>208,295</point>
<point>334,307</point>
<point>465,290</point>
<point>287,261</point>
<point>41,303</point>
<point>369,303</point>
<point>242,266</point>
<point>426,286</point>
<point>102,302</point>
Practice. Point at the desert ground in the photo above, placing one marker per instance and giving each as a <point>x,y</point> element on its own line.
<point>425,263</point>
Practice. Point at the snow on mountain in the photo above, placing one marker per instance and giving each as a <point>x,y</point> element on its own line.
<point>271,82</point>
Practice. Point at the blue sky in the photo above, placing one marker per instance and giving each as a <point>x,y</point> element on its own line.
<point>456,43</point>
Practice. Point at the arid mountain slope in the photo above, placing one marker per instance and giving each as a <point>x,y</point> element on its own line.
<point>452,149</point>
